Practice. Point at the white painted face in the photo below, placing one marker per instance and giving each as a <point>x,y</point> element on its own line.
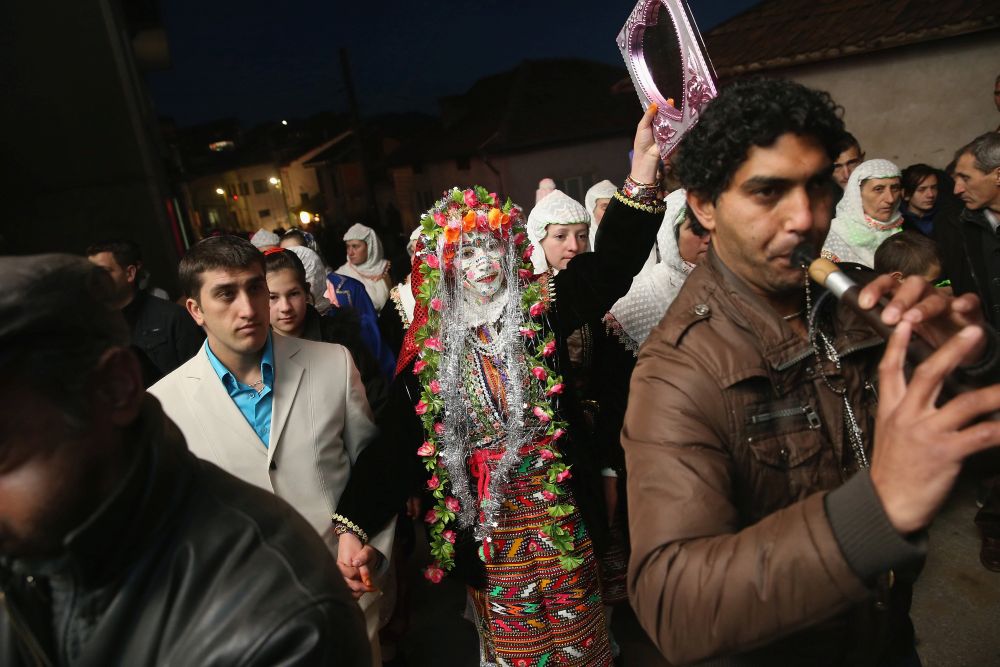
<point>480,265</point>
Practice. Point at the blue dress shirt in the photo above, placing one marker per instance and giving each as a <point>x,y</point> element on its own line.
<point>256,407</point>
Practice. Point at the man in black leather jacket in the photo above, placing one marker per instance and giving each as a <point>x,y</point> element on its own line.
<point>117,545</point>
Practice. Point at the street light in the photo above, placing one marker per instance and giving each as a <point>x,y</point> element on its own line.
<point>284,122</point>
<point>273,181</point>
<point>305,217</point>
<point>220,191</point>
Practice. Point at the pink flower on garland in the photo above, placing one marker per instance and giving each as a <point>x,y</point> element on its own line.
<point>434,482</point>
<point>449,535</point>
<point>427,449</point>
<point>451,504</point>
<point>541,414</point>
<point>558,433</point>
<point>419,366</point>
<point>470,198</point>
<point>431,516</point>
<point>526,255</point>
<point>555,389</point>
<point>435,386</point>
<point>436,304</point>
<point>434,344</point>
<point>546,454</point>
<point>495,197</point>
<point>525,274</point>
<point>421,407</point>
<point>548,495</point>
<point>434,574</point>
<point>549,349</point>
<point>439,219</point>
<point>564,475</point>
<point>539,373</point>
<point>536,309</point>
<point>438,428</point>
<point>519,237</point>
<point>527,333</point>
<point>433,261</point>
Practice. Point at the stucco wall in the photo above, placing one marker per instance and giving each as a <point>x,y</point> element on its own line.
<point>914,104</point>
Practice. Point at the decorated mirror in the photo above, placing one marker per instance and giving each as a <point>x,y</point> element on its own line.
<point>669,67</point>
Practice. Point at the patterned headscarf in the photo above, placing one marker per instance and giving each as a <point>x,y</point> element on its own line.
<point>557,208</point>
<point>315,274</point>
<point>854,236</point>
<point>634,315</point>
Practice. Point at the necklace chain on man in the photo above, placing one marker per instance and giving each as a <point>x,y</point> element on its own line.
<point>854,434</point>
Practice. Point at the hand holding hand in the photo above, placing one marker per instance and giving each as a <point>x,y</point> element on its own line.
<point>354,560</point>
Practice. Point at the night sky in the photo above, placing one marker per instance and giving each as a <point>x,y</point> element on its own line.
<point>263,61</point>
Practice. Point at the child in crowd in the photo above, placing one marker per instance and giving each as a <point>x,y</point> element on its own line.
<point>910,253</point>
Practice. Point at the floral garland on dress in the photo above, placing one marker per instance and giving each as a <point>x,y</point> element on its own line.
<point>463,211</point>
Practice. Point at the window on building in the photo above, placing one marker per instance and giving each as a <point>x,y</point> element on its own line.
<point>244,189</point>
<point>264,213</point>
<point>259,186</point>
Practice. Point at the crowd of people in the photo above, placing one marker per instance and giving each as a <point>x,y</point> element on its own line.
<point>641,399</point>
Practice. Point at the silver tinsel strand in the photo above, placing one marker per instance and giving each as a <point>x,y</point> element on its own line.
<point>456,446</point>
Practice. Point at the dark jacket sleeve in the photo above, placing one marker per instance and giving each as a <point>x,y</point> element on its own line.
<point>187,336</point>
<point>388,471</point>
<point>593,281</point>
<point>329,632</point>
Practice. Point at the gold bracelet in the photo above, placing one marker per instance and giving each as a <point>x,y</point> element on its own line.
<point>343,525</point>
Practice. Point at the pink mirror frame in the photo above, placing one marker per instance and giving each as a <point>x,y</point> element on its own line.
<point>699,88</point>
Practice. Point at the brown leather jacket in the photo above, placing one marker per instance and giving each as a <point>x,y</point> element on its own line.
<point>733,442</point>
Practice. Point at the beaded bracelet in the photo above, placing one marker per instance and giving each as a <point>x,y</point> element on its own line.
<point>656,206</point>
<point>644,193</point>
<point>341,525</point>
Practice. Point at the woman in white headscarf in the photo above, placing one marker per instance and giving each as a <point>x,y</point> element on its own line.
<point>867,214</point>
<point>596,200</point>
<point>367,264</point>
<point>554,248</point>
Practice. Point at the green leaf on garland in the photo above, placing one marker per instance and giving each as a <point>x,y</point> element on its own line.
<point>561,510</point>
<point>570,563</point>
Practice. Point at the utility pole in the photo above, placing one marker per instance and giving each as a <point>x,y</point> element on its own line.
<point>352,101</point>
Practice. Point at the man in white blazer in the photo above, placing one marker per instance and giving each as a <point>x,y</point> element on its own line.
<point>285,414</point>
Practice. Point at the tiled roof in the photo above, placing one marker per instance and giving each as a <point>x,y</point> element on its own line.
<point>783,33</point>
<point>539,103</point>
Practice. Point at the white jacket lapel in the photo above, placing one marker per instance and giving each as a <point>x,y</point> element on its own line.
<point>287,378</point>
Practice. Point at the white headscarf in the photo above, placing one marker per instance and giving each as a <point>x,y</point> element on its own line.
<point>263,239</point>
<point>656,286</point>
<point>315,274</point>
<point>557,208</point>
<point>371,272</point>
<point>602,190</point>
<point>854,236</point>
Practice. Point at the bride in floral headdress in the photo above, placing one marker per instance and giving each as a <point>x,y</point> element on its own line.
<point>482,346</point>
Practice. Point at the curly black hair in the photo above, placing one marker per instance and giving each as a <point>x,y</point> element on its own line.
<point>753,112</point>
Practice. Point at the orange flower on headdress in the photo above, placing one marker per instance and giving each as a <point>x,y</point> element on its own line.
<point>493,218</point>
<point>469,221</point>
<point>452,233</point>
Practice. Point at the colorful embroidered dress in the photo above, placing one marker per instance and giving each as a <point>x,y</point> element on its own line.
<point>492,437</point>
<point>532,611</point>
